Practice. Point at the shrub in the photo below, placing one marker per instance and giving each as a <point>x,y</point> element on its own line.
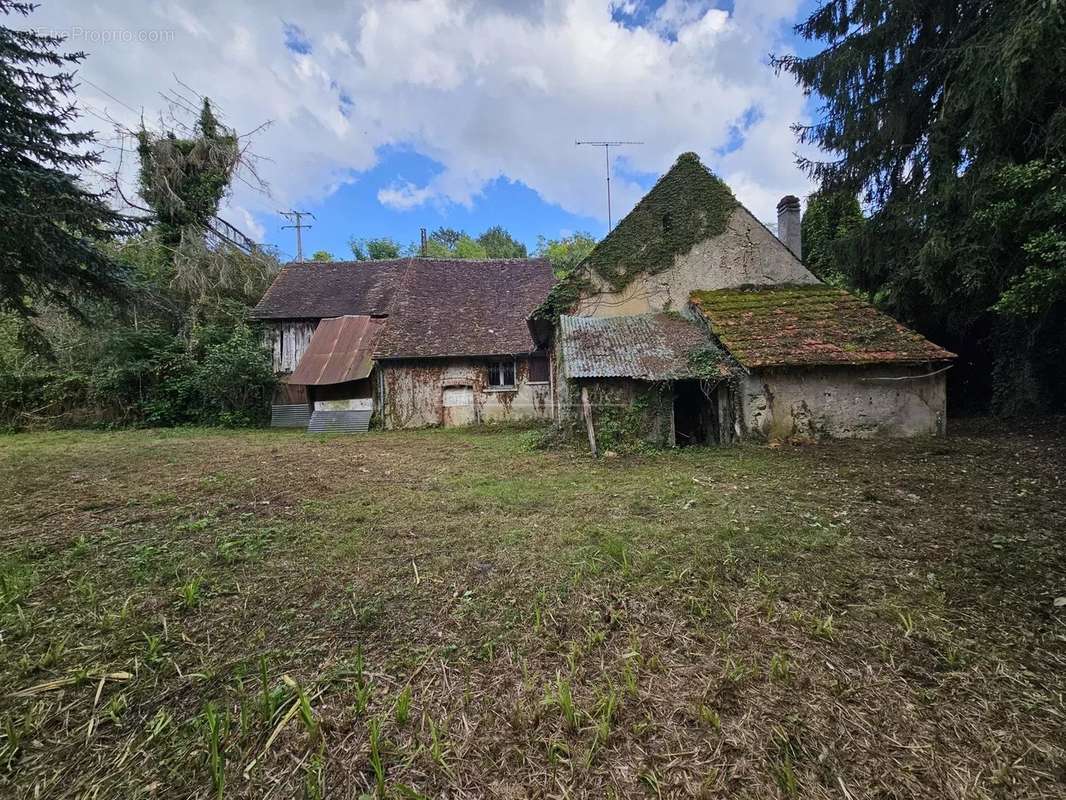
<point>220,375</point>
<point>234,380</point>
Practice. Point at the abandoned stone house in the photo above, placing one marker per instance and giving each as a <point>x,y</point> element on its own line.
<point>689,323</point>
<point>414,341</point>
<point>693,323</point>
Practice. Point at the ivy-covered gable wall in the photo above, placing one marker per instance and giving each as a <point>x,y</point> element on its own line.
<point>688,233</point>
<point>687,205</point>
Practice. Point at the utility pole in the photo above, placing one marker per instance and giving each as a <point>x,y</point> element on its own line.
<point>296,217</point>
<point>607,157</point>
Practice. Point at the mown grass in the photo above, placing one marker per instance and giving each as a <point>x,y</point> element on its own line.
<point>206,613</point>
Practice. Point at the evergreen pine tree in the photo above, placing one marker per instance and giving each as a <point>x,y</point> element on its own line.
<point>831,224</point>
<point>947,117</point>
<point>52,224</point>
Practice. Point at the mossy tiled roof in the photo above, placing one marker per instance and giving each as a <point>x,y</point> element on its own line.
<point>809,326</point>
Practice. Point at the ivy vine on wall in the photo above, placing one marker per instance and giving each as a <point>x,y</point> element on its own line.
<point>686,206</point>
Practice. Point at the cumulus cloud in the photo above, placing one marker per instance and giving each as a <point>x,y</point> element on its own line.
<point>403,196</point>
<point>248,223</point>
<point>487,89</point>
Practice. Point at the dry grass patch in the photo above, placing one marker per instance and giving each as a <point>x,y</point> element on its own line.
<point>438,613</point>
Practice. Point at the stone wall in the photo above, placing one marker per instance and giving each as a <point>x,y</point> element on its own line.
<point>843,402</point>
<point>411,393</point>
<point>747,254</point>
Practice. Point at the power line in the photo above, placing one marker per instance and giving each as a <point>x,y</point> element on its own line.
<point>607,157</point>
<point>297,216</point>
<point>101,89</point>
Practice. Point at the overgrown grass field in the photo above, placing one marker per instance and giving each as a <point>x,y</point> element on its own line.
<point>192,613</point>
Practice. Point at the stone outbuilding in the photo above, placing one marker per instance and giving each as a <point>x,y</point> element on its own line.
<point>645,374</point>
<point>754,344</point>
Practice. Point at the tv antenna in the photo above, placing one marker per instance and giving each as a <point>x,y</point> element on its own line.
<point>296,217</point>
<point>607,157</point>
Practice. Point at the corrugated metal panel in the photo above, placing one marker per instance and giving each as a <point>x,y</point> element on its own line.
<point>290,416</point>
<point>646,346</point>
<point>339,422</point>
<point>341,350</point>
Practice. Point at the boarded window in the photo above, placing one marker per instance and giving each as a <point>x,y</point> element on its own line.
<point>454,396</point>
<point>538,369</point>
<point>501,374</point>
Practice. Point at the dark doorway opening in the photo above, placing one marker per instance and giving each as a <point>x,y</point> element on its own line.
<point>695,415</point>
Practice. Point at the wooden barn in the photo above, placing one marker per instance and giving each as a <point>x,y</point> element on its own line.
<point>412,342</point>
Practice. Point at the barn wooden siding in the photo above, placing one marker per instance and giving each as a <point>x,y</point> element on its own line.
<point>287,341</point>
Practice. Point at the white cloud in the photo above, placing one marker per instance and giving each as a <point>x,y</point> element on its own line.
<point>404,196</point>
<point>248,223</point>
<point>488,89</point>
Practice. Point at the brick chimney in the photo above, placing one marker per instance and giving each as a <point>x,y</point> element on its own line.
<point>788,224</point>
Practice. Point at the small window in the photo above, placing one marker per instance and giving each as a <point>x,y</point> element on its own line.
<point>501,374</point>
<point>667,222</point>
<point>538,369</point>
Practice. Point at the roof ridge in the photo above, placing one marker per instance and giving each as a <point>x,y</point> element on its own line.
<point>449,259</point>
<point>489,260</point>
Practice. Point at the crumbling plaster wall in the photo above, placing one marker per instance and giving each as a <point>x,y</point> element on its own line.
<point>843,402</point>
<point>745,254</point>
<point>413,392</point>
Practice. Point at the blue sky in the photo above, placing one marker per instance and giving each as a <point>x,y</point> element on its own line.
<point>391,115</point>
<point>354,210</point>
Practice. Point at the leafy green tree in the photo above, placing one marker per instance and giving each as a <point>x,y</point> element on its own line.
<point>466,247</point>
<point>176,349</point>
<point>495,242</point>
<point>565,253</point>
<point>498,243</point>
<point>831,226</point>
<point>184,176</point>
<point>947,117</point>
<point>436,249</point>
<point>375,249</point>
<point>322,255</point>
<point>1029,201</point>
<point>51,224</point>
<point>448,238</point>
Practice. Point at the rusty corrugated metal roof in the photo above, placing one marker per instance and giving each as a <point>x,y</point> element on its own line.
<point>651,347</point>
<point>341,350</point>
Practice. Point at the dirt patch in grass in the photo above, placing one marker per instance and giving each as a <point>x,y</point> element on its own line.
<point>444,613</point>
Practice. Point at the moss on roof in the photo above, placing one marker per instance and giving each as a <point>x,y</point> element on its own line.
<point>808,326</point>
<point>687,205</point>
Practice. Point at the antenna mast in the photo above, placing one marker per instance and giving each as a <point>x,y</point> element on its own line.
<point>296,217</point>
<point>607,157</point>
